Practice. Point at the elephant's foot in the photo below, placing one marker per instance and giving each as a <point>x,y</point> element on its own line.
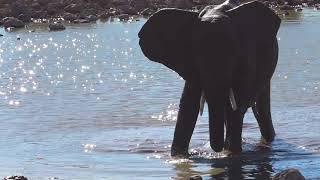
<point>179,152</point>
<point>232,148</point>
<point>269,134</point>
<point>263,145</point>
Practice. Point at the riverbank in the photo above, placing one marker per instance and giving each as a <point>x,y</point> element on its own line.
<point>17,13</point>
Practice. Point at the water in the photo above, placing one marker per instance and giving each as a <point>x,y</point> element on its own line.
<point>85,103</point>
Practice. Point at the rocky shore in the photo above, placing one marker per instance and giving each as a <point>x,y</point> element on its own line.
<point>288,174</point>
<point>17,13</point>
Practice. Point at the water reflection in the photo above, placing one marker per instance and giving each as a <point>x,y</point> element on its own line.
<point>254,163</point>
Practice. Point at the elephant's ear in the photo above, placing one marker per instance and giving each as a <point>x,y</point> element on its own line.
<point>255,20</point>
<point>166,38</point>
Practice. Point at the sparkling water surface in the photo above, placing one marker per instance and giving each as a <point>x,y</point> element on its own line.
<point>85,103</point>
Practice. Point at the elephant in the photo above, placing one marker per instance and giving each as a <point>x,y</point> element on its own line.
<point>226,54</point>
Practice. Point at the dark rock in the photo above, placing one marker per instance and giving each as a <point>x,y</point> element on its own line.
<point>195,177</point>
<point>114,12</point>
<point>25,18</point>
<point>289,174</point>
<point>299,9</point>
<point>92,18</point>
<point>69,17</point>
<point>1,35</point>
<point>12,22</point>
<point>56,26</point>
<point>123,17</point>
<point>15,178</point>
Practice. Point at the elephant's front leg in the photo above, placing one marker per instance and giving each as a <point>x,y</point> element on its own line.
<point>234,122</point>
<point>262,113</point>
<point>186,120</point>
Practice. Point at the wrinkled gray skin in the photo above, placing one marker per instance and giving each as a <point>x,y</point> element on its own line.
<point>221,48</point>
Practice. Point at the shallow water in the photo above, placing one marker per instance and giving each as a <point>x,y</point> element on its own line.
<point>85,103</point>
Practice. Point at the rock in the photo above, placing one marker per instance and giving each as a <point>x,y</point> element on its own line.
<point>184,4</point>
<point>289,174</point>
<point>36,6</point>
<point>103,3</point>
<point>294,2</point>
<point>38,14</point>
<point>91,18</point>
<point>74,8</point>
<point>117,3</point>
<point>127,9</point>
<point>69,17</point>
<point>15,178</point>
<point>147,12</point>
<point>123,17</point>
<point>286,7</point>
<point>195,177</point>
<point>104,15</point>
<point>19,7</point>
<point>25,18</point>
<point>56,26</point>
<point>12,22</point>
<point>1,35</point>
<point>81,21</point>
<point>139,5</point>
<point>4,12</point>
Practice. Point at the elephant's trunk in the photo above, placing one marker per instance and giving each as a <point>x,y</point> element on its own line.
<point>216,126</point>
<point>217,103</point>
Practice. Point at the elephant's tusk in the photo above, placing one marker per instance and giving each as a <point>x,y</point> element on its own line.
<point>202,101</point>
<point>233,100</point>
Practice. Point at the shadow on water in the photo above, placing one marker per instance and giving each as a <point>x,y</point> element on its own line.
<point>256,162</point>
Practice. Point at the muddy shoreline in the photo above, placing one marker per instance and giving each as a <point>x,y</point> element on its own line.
<point>18,13</point>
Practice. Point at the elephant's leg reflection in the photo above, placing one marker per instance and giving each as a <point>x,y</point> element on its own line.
<point>187,118</point>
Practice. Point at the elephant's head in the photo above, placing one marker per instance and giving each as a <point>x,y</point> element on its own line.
<point>166,38</point>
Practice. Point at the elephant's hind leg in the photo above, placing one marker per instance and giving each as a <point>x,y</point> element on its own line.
<point>186,120</point>
<point>262,112</point>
